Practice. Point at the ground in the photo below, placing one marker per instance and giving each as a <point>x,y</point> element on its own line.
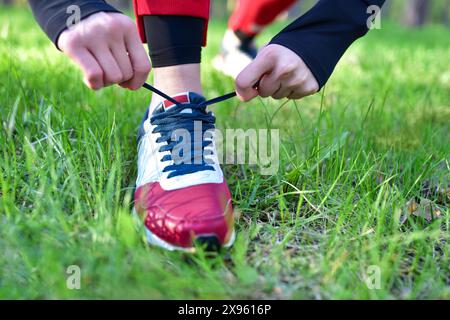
<point>361,191</point>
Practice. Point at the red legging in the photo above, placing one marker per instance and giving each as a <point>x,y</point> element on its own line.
<point>249,16</point>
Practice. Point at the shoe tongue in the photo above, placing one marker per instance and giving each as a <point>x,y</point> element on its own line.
<point>190,98</point>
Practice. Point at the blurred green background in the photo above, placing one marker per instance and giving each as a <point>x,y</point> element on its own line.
<point>363,181</point>
<point>408,12</point>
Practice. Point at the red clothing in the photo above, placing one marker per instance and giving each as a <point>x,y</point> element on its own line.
<point>249,16</point>
<point>191,8</point>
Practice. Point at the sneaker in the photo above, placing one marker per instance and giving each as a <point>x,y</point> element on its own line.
<point>182,199</point>
<point>234,55</point>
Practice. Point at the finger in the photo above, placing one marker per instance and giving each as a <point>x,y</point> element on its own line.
<point>299,92</point>
<point>303,89</point>
<point>283,92</point>
<point>140,61</point>
<point>246,80</point>
<point>92,71</point>
<point>111,71</point>
<point>268,85</point>
<point>120,54</point>
<point>296,96</point>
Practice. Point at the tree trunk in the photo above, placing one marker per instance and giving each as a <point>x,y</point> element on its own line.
<point>416,12</point>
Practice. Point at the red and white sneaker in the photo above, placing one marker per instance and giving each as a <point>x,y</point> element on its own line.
<point>181,194</point>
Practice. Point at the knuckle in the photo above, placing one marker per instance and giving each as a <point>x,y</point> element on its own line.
<point>288,67</point>
<point>143,69</point>
<point>292,66</point>
<point>277,97</point>
<point>127,23</point>
<point>69,42</point>
<point>95,86</point>
<point>263,93</point>
<point>312,87</point>
<point>304,78</point>
<point>127,76</point>
<point>100,30</point>
<point>241,84</point>
<point>268,53</point>
<point>295,95</point>
<point>106,26</point>
<point>114,30</point>
<point>294,85</point>
<point>115,77</point>
<point>112,22</point>
<point>94,75</point>
<point>115,36</point>
<point>134,85</point>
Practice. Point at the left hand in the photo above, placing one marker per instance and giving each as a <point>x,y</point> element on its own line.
<point>281,74</point>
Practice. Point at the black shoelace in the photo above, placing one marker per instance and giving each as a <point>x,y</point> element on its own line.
<point>173,119</point>
<point>205,103</point>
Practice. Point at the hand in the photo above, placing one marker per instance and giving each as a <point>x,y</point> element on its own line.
<point>107,48</point>
<point>279,73</point>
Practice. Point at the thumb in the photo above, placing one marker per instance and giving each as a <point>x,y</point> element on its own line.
<point>248,79</point>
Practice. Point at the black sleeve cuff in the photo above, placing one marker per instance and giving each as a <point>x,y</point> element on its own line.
<point>323,34</point>
<point>53,16</point>
<point>317,69</point>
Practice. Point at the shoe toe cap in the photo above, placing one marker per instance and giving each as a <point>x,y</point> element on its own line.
<point>180,216</point>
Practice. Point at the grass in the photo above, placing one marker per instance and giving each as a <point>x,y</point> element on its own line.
<point>352,161</point>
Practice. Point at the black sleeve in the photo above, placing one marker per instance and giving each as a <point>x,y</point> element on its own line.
<point>322,35</point>
<point>52,15</point>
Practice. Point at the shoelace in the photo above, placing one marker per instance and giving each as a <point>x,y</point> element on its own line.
<point>170,120</point>
<point>205,103</point>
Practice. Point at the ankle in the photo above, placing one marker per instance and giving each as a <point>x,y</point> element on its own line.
<point>176,79</point>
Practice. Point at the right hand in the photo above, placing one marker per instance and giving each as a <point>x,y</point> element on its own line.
<point>107,48</point>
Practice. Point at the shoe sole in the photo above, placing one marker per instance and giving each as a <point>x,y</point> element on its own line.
<point>209,241</point>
